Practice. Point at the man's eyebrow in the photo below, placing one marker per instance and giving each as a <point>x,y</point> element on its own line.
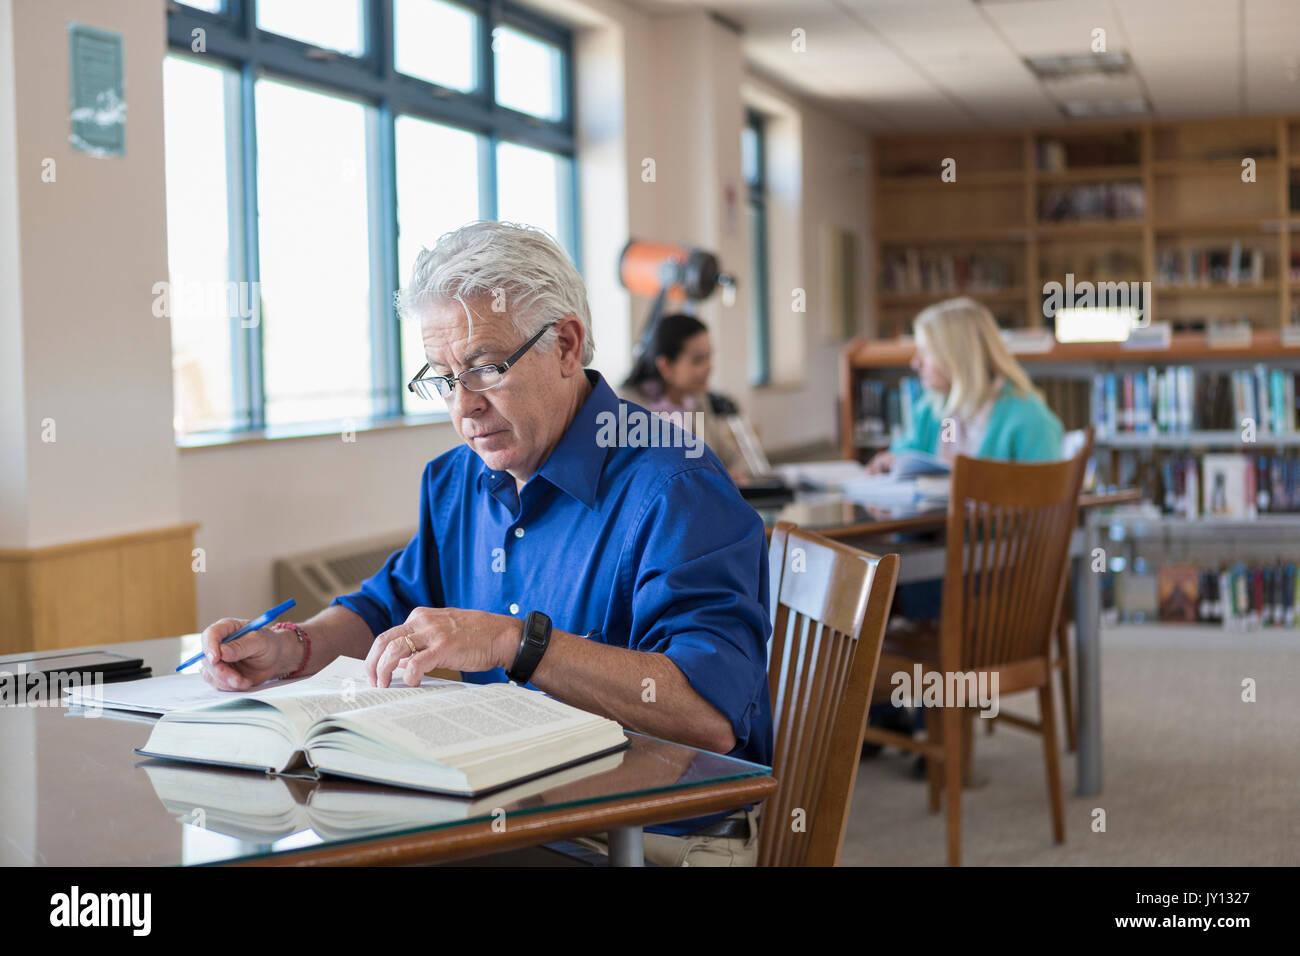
<point>471,358</point>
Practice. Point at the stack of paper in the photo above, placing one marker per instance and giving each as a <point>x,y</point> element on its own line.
<point>821,475</point>
<point>915,479</point>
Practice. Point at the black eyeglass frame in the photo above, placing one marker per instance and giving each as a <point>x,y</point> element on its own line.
<point>500,367</point>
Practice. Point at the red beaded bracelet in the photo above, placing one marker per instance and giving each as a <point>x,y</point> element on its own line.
<point>302,639</point>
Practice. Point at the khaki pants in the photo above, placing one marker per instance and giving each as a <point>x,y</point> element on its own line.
<point>664,850</point>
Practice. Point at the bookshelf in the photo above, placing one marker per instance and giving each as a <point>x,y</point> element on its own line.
<point>1167,550</point>
<point>1108,202</point>
<point>888,362</point>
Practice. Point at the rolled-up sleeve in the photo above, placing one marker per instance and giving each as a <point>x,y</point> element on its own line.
<point>698,587</point>
<point>409,579</point>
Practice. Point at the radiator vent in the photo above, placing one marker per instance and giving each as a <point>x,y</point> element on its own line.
<point>315,578</point>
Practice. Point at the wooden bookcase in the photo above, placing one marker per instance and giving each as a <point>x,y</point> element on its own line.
<point>1186,174</point>
<point>889,361</point>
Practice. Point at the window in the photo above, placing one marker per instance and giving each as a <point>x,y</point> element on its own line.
<point>200,183</point>
<point>753,161</point>
<point>437,42</point>
<point>313,148</point>
<point>332,24</point>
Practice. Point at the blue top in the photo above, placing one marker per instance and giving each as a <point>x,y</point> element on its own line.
<point>1020,428</point>
<point>652,548</point>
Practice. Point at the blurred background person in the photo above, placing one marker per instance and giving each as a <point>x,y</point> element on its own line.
<point>971,378</point>
<point>671,375</point>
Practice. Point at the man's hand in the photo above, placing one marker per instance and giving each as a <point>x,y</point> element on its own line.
<point>249,660</point>
<point>447,637</point>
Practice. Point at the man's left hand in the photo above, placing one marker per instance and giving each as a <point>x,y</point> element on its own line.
<point>446,637</point>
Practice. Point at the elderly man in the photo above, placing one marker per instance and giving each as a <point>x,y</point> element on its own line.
<point>553,549</point>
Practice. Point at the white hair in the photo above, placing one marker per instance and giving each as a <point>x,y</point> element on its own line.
<point>520,267</point>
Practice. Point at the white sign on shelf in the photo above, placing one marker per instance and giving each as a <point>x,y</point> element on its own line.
<point>1028,341</point>
<point>1291,336</point>
<point>1228,335</point>
<point>1157,335</point>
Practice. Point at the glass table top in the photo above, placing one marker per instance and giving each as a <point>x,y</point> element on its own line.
<point>73,792</point>
<point>820,510</point>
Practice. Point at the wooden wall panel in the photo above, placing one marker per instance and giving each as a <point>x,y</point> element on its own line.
<point>125,588</point>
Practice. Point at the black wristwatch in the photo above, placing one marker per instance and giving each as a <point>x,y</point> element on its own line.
<point>537,634</point>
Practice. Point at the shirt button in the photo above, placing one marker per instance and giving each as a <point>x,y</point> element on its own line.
<point>514,609</point>
<point>519,532</point>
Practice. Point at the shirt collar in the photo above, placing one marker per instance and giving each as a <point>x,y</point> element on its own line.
<point>576,463</point>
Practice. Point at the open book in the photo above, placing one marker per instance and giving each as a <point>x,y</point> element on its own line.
<point>915,479</point>
<point>443,736</point>
<point>912,464</point>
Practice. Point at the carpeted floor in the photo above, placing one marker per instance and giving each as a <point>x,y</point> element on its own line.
<point>1192,775</point>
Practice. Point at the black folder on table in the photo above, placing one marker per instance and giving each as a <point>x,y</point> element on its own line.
<point>112,666</point>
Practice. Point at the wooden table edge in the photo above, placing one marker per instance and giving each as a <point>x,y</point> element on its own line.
<point>529,829</point>
<point>939,519</point>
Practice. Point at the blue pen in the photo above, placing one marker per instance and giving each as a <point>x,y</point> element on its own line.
<point>252,625</point>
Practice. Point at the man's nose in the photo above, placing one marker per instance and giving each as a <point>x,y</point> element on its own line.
<point>465,403</point>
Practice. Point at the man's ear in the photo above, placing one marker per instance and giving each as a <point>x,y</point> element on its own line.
<point>569,338</point>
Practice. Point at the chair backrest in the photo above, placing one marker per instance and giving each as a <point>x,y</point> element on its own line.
<point>830,605</point>
<point>1008,553</point>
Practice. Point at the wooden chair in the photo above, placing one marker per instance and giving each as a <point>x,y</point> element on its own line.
<point>1008,543</point>
<point>830,605</point>
<point>1075,442</point>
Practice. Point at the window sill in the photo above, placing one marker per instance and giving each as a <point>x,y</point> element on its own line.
<point>247,436</point>
<point>777,388</point>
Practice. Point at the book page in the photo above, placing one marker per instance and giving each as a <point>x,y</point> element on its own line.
<point>152,695</point>
<point>461,718</point>
<point>341,686</point>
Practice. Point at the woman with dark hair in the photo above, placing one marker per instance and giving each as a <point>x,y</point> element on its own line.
<point>670,376</point>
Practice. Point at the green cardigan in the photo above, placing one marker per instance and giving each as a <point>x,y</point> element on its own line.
<point>1020,428</point>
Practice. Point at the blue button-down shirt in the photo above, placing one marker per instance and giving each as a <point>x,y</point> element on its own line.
<point>650,548</point>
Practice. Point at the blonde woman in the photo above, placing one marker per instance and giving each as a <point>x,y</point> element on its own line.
<point>979,401</point>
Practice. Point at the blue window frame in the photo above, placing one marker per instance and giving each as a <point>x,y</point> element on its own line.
<point>754,161</point>
<point>355,68</point>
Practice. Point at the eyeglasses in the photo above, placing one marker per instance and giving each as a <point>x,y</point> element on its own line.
<point>480,378</point>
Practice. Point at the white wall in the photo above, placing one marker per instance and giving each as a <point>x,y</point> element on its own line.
<point>93,242</point>
<point>826,181</point>
<point>13,433</point>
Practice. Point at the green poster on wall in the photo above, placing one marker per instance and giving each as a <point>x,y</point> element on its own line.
<point>98,90</point>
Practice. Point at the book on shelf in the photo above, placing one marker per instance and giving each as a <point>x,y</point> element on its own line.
<point>885,411</point>
<point>1239,595</point>
<point>913,271</point>
<point>1177,399</point>
<point>1229,486</point>
<point>1203,266</point>
<point>442,736</point>
<point>1092,202</point>
<point>1181,480</point>
<point>1235,485</point>
<point>1179,592</point>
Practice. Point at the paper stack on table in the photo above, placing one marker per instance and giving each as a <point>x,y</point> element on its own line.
<point>915,479</point>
